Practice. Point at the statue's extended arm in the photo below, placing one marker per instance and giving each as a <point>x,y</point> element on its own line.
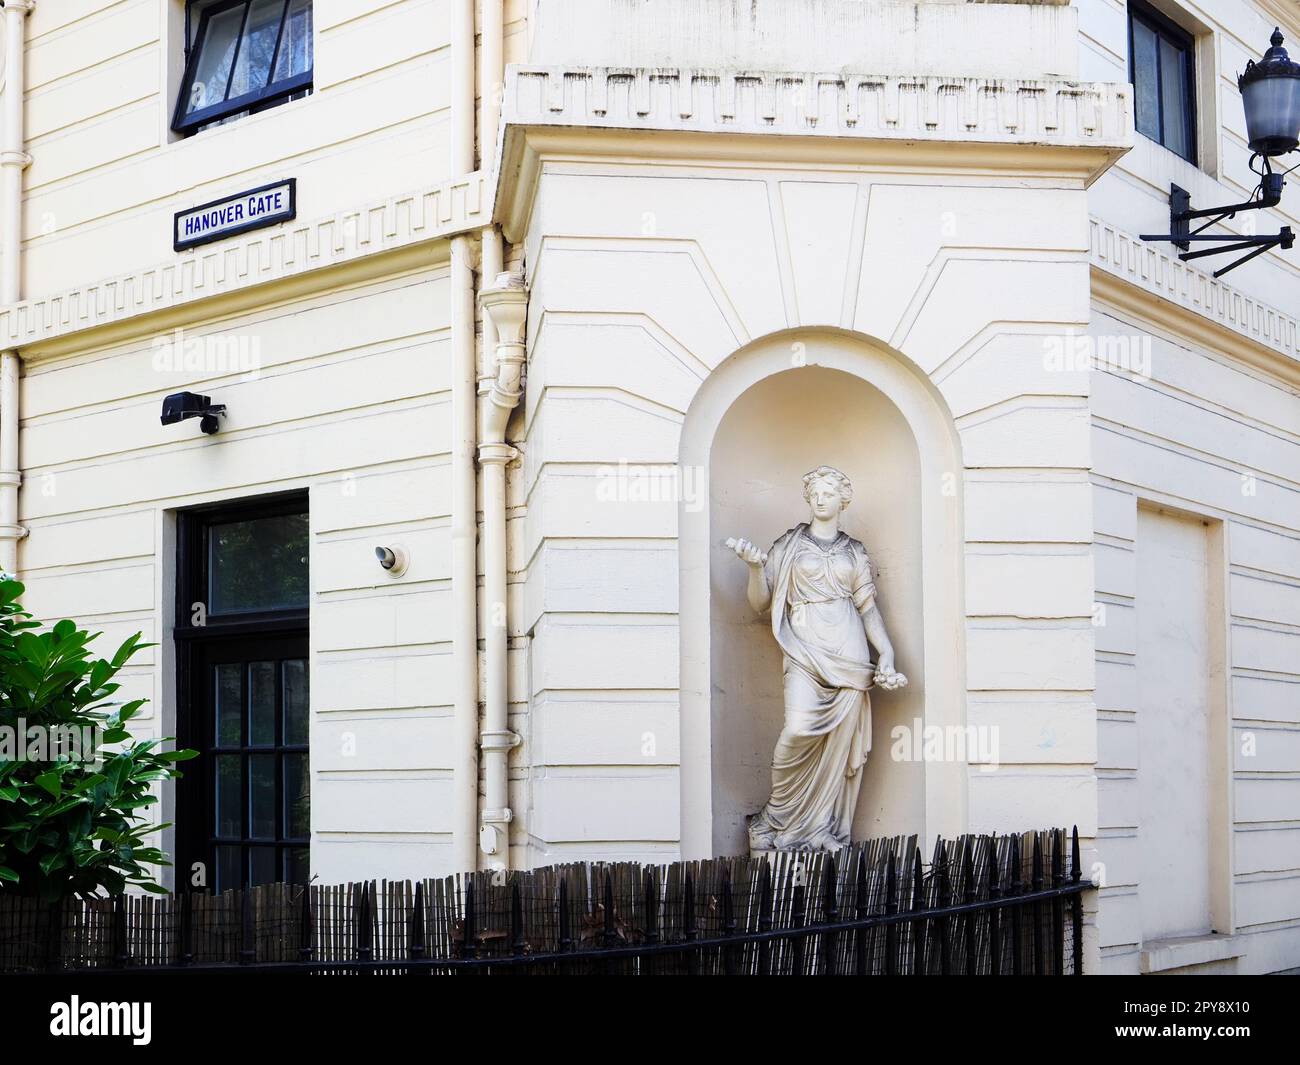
<point>758,592</point>
<point>760,595</point>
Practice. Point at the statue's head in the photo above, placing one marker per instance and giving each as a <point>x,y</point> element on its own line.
<point>828,491</point>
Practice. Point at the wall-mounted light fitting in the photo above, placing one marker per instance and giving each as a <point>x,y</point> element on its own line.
<point>1270,96</point>
<point>182,405</point>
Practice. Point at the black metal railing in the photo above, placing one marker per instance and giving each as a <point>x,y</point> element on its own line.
<point>982,905</point>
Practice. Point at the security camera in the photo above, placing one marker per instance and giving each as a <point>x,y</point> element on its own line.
<point>181,405</point>
<point>393,559</point>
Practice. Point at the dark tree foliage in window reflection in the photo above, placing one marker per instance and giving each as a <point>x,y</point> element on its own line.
<point>258,565</point>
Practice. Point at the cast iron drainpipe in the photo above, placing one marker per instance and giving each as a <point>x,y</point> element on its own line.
<point>505,303</point>
<point>13,161</point>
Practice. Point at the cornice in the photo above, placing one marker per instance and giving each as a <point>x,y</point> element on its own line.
<point>235,272</point>
<point>1283,13</point>
<point>958,122</point>
<point>1142,280</point>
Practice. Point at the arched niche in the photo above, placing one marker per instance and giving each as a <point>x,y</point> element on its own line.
<point>764,417</point>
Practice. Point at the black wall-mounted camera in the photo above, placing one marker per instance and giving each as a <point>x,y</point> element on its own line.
<point>181,405</point>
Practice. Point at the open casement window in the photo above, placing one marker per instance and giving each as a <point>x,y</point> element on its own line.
<point>245,56</point>
<point>1163,72</point>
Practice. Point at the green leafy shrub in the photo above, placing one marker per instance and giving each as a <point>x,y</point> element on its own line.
<point>71,813</point>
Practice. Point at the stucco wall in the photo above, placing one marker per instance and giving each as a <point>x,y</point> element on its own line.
<point>1209,432</point>
<point>107,172</point>
<point>695,224</point>
<point>878,37</point>
<point>1205,436</point>
<point>345,394</point>
<point>643,281</point>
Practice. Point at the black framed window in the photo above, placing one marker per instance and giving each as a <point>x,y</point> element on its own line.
<point>244,805</point>
<point>1162,68</point>
<point>244,56</point>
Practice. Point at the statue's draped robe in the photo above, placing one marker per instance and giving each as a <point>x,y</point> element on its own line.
<point>819,590</point>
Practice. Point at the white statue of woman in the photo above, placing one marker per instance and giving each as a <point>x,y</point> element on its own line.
<point>817,581</point>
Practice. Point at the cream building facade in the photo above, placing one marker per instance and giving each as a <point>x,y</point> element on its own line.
<point>573,291</point>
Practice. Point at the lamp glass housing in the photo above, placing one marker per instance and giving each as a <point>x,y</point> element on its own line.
<point>1270,95</point>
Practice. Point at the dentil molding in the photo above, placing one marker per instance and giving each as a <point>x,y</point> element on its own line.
<point>1055,111</point>
<point>1179,287</point>
<point>1032,128</point>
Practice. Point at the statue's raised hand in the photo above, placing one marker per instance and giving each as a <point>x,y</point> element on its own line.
<point>747,552</point>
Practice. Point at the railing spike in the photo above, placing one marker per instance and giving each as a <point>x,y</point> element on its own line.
<point>831,905</point>
<point>1016,871</point>
<point>1076,903</point>
<point>469,948</point>
<point>945,899</point>
<point>728,921</point>
<point>797,915</point>
<point>248,944</point>
<point>689,929</point>
<point>651,921</point>
<point>566,927</point>
<point>970,894</point>
<point>891,908</point>
<point>919,924</point>
<point>417,943</point>
<point>1036,885</point>
<point>517,945</point>
<point>186,953</point>
<point>995,915</point>
<point>861,908</point>
<point>1058,904</point>
<point>306,926</point>
<point>610,930</point>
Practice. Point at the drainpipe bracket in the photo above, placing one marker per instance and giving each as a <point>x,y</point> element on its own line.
<point>498,740</point>
<point>496,453</point>
<point>489,838</point>
<point>493,829</point>
<point>25,6</point>
<point>10,478</point>
<point>22,160</point>
<point>12,532</point>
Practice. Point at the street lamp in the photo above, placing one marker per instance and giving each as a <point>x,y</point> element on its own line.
<point>1270,96</point>
<point>1270,93</point>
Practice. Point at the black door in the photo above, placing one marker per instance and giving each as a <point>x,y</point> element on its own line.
<point>243,807</point>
